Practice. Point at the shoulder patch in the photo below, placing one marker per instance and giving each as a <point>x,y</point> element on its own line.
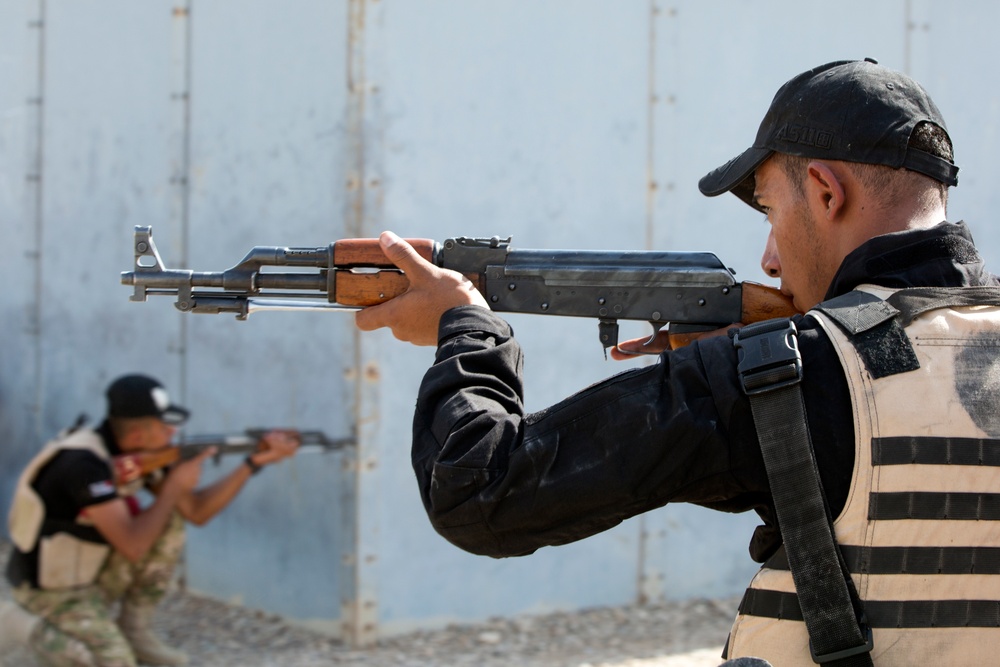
<point>875,331</point>
<point>857,311</point>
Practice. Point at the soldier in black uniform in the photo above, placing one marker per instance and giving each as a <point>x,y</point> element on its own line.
<point>851,166</point>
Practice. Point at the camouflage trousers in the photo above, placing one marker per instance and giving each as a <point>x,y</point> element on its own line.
<point>78,629</point>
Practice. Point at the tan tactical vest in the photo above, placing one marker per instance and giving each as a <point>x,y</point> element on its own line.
<point>64,560</point>
<point>920,530</point>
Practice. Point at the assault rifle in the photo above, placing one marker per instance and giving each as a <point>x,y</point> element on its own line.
<point>129,467</point>
<point>693,292</point>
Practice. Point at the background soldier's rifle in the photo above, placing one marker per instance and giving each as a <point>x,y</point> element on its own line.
<point>131,466</point>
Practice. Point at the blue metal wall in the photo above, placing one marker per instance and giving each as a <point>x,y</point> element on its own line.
<point>564,123</point>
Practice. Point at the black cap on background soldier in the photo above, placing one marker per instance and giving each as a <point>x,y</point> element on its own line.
<point>133,396</point>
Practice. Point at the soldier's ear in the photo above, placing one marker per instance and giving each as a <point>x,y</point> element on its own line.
<point>825,190</point>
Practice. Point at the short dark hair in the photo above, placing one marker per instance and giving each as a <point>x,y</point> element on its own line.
<point>926,137</point>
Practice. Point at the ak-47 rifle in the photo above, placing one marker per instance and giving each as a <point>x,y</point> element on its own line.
<point>129,467</point>
<point>693,292</point>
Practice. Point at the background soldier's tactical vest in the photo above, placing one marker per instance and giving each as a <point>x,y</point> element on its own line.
<point>66,558</point>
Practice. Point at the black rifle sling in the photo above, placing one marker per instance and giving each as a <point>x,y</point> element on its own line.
<point>770,368</point>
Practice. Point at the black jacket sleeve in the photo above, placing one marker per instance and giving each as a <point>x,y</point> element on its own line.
<point>500,482</point>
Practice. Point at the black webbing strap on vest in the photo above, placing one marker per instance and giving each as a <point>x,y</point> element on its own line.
<point>915,301</point>
<point>770,368</point>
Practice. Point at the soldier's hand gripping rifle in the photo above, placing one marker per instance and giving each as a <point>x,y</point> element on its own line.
<point>693,292</point>
<point>129,467</point>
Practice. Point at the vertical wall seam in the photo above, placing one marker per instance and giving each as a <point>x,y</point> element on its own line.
<point>358,603</point>
<point>180,186</point>
<point>354,215</point>
<point>179,97</point>
<point>35,187</point>
<point>907,35</point>
<point>355,185</point>
<point>651,103</point>
<point>652,100</point>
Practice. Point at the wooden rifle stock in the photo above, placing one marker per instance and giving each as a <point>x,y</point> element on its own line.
<point>130,467</point>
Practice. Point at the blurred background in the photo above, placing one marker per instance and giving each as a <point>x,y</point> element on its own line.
<point>561,123</point>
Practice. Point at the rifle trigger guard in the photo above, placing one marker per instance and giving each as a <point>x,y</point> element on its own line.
<point>657,327</point>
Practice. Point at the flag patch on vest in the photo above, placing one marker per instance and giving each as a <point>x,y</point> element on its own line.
<point>101,489</point>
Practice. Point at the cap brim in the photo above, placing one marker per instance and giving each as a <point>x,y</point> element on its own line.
<point>175,415</point>
<point>736,176</point>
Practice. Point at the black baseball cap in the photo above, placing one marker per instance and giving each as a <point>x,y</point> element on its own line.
<point>851,110</point>
<point>142,396</point>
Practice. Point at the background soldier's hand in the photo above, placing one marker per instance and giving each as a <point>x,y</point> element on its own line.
<point>186,474</point>
<point>275,446</point>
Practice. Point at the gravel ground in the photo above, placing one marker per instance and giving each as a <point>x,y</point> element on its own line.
<point>214,634</point>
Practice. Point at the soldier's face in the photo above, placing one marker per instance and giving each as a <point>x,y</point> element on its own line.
<point>795,251</point>
<point>155,433</point>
